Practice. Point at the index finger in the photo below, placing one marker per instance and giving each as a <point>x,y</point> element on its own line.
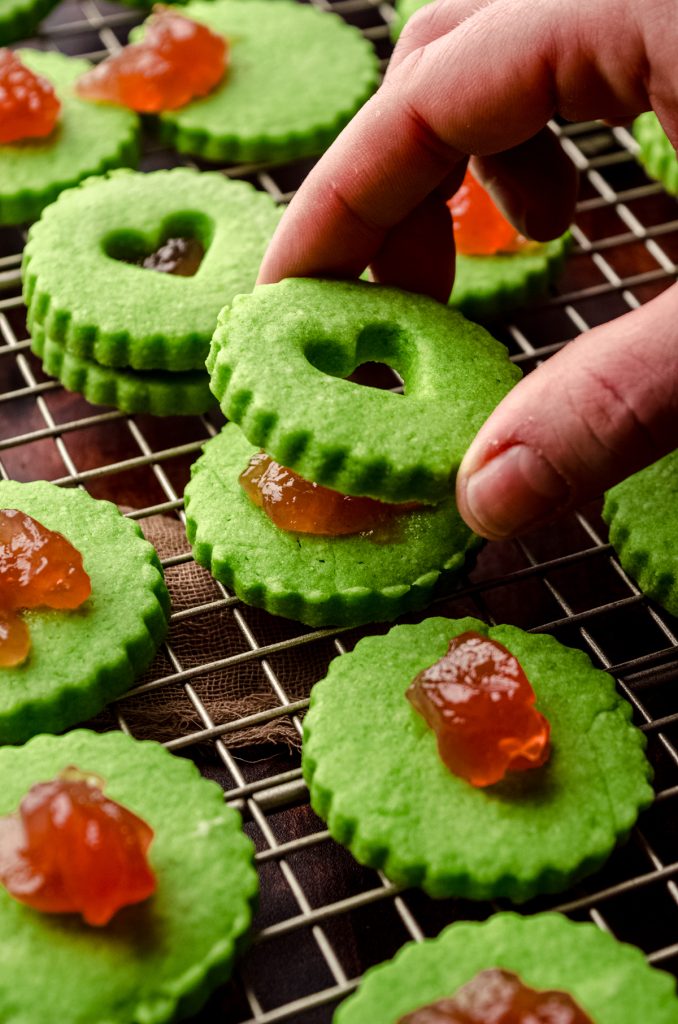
<point>485,87</point>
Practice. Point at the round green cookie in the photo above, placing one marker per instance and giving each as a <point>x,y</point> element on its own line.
<point>642,514</point>
<point>321,581</point>
<point>119,314</point>
<point>89,139</point>
<point>656,152</point>
<point>184,393</point>
<point>20,18</point>
<point>374,773</point>
<point>296,77</point>
<point>277,362</point>
<point>487,285</point>
<point>156,961</point>
<point>81,659</point>
<point>611,981</point>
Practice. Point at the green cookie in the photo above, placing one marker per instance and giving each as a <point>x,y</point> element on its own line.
<point>611,981</point>
<point>641,515</point>
<point>277,362</point>
<point>296,77</point>
<point>374,773</point>
<point>656,152</point>
<point>89,139</point>
<point>81,659</point>
<point>118,314</point>
<point>20,18</point>
<point>487,285</point>
<point>184,393</point>
<point>154,962</point>
<point>318,580</point>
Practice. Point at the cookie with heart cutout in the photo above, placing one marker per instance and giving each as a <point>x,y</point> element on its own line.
<point>81,659</point>
<point>375,775</point>
<point>158,960</point>
<point>611,981</point>
<point>88,139</point>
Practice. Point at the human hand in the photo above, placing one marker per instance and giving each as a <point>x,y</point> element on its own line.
<point>486,80</point>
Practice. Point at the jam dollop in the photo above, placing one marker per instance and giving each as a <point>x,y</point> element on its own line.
<point>39,568</point>
<point>299,506</point>
<point>480,229</point>
<point>480,704</point>
<point>178,256</point>
<point>70,849</point>
<point>500,997</point>
<point>177,61</point>
<point>29,107</point>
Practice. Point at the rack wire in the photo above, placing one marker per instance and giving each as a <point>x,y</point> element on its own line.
<point>566,581</point>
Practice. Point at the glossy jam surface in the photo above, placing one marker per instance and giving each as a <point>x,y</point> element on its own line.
<point>296,505</point>
<point>179,256</point>
<point>39,568</point>
<point>480,229</point>
<point>480,704</point>
<point>70,849</point>
<point>500,997</point>
<point>29,108</point>
<point>177,61</point>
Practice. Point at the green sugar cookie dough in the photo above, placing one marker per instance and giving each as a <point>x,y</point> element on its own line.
<point>611,981</point>
<point>156,961</point>
<point>20,18</point>
<point>487,285</point>
<point>81,659</point>
<point>277,362</point>
<point>641,513</point>
<point>374,773</point>
<point>118,314</point>
<point>656,152</point>
<point>320,581</point>
<point>157,392</point>
<point>89,139</point>
<point>296,77</point>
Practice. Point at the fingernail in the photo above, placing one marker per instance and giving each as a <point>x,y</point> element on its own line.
<point>515,490</point>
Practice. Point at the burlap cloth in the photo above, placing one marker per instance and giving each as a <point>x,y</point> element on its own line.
<point>228,693</point>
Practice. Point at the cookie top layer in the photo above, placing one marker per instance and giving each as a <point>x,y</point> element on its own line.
<point>296,77</point>
<point>318,580</point>
<point>20,18</point>
<point>79,660</point>
<point>89,139</point>
<point>641,513</point>
<point>656,152</point>
<point>405,812</point>
<point>119,314</point>
<point>277,362</point>
<point>610,980</point>
<point>157,960</point>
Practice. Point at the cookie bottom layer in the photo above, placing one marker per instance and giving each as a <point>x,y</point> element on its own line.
<point>158,392</point>
<point>320,581</point>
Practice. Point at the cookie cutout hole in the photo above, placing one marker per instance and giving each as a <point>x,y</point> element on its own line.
<point>376,361</point>
<point>183,241</point>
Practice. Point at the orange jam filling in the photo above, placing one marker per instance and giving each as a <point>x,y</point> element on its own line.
<point>480,705</point>
<point>177,61</point>
<point>29,108</point>
<point>39,568</point>
<point>299,506</point>
<point>479,227</point>
<point>69,849</point>
<point>500,997</point>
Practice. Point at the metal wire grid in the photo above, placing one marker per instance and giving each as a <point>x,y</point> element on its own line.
<point>323,919</point>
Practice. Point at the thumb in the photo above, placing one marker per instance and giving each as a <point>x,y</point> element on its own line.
<point>602,408</point>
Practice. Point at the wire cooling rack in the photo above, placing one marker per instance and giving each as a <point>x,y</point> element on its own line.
<point>323,919</point>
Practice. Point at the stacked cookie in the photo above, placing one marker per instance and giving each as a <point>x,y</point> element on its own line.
<point>122,334</point>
